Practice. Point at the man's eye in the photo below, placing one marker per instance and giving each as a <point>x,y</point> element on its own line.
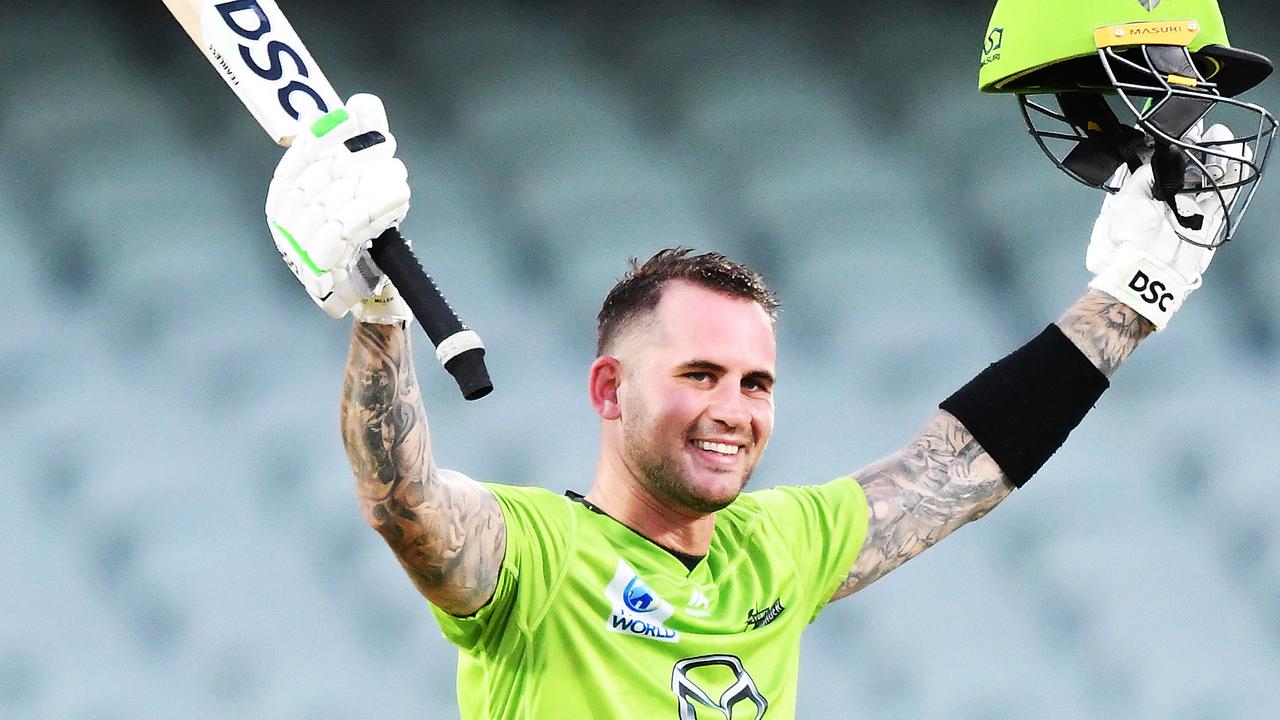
<point>698,376</point>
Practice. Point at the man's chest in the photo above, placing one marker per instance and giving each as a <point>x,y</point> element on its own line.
<point>705,642</point>
<point>636,604</point>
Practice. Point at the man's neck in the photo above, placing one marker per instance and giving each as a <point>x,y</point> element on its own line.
<point>629,502</point>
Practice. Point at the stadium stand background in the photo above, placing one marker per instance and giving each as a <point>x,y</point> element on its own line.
<point>179,527</point>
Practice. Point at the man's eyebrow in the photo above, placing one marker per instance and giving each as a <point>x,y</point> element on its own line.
<point>763,376</point>
<point>702,365</point>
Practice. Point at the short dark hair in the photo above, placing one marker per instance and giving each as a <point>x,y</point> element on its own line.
<point>639,291</point>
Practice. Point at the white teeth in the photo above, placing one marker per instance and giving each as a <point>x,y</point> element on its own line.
<point>715,447</point>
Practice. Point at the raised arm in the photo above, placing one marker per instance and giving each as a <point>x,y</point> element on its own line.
<point>445,528</point>
<point>943,478</point>
<point>1146,259</point>
<point>339,186</point>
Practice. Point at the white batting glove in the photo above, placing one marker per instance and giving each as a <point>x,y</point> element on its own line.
<point>1139,252</point>
<point>337,188</point>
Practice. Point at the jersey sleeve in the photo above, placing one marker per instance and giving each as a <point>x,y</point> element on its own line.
<point>823,527</point>
<point>538,529</point>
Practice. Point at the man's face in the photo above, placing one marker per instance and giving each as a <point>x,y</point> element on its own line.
<point>696,396</point>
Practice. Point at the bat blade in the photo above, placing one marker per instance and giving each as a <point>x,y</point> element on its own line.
<point>258,54</point>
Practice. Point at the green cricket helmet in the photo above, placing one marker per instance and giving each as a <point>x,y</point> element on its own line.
<point>1164,66</point>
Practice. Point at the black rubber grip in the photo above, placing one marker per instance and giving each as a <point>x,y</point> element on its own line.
<point>433,312</point>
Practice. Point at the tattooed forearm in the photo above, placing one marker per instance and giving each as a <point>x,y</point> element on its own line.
<point>919,495</point>
<point>446,529</point>
<point>943,479</point>
<point>1104,329</point>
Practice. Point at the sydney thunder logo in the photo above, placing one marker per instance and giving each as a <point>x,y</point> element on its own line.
<point>1149,4</point>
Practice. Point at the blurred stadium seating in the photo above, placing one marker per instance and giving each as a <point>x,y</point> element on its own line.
<point>180,532</point>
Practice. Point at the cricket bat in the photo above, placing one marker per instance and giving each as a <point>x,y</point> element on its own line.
<point>261,58</point>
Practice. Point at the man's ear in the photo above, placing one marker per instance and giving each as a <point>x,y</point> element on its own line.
<point>602,385</point>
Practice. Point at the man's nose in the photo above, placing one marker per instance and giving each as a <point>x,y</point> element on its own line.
<point>729,406</point>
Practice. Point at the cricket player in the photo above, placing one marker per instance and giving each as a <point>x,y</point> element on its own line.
<point>667,590</point>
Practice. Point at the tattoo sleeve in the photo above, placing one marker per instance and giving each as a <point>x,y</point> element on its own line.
<point>445,528</point>
<point>943,479</point>
<point>1106,330</point>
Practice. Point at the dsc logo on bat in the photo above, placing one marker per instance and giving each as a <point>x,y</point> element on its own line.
<point>248,20</point>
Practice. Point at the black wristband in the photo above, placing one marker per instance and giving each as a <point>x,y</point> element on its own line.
<point>1021,409</point>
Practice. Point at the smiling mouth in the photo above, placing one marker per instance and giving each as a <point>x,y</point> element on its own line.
<point>722,449</point>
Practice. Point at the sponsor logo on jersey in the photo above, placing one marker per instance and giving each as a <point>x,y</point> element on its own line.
<point>638,597</point>
<point>1149,4</point>
<point>757,619</point>
<point>701,680</point>
<point>699,605</point>
<point>635,609</point>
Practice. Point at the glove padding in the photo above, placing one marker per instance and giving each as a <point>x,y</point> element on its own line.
<point>1139,252</point>
<point>337,188</point>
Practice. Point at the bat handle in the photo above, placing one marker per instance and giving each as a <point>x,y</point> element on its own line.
<point>458,349</point>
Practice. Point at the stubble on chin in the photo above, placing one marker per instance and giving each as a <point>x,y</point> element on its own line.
<point>664,478</point>
<point>662,474</point>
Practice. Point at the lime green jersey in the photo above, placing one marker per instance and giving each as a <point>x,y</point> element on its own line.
<point>592,620</point>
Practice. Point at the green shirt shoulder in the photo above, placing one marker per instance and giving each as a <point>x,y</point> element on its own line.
<point>590,619</point>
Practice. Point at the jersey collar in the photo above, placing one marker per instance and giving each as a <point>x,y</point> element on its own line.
<point>690,562</point>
